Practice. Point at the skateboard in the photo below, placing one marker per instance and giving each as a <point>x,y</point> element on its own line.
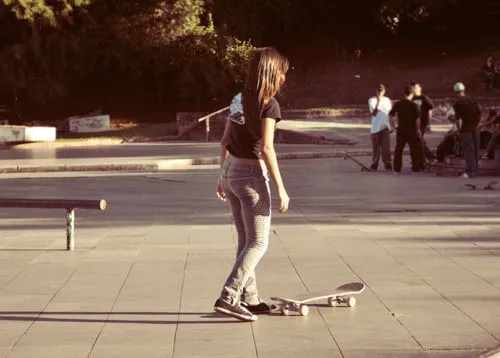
<point>335,297</point>
<point>364,168</point>
<point>484,186</point>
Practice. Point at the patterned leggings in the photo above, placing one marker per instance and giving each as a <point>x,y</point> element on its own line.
<point>247,189</point>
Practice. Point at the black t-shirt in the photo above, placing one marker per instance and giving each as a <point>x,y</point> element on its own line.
<point>488,68</point>
<point>408,113</point>
<point>242,143</point>
<point>425,105</point>
<point>467,110</point>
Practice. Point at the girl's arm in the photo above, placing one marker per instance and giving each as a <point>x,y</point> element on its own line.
<point>223,156</point>
<point>269,156</point>
<point>224,142</point>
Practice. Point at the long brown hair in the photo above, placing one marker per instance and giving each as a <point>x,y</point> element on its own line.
<point>266,75</point>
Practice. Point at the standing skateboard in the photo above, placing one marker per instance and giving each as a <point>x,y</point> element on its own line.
<point>337,296</point>
<point>484,186</point>
<point>364,168</point>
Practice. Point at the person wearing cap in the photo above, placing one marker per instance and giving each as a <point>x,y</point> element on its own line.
<point>408,132</point>
<point>380,106</point>
<point>467,115</point>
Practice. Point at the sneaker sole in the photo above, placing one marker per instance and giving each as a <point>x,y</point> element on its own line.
<point>272,308</point>
<point>236,315</point>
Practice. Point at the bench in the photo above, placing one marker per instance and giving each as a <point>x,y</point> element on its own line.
<point>69,205</point>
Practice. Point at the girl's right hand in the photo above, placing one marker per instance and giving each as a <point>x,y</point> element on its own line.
<point>284,200</point>
<point>220,190</point>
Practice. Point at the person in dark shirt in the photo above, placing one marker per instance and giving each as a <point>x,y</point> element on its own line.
<point>494,125</point>
<point>408,131</point>
<point>450,145</point>
<point>467,115</point>
<point>489,71</point>
<point>247,158</point>
<point>486,129</point>
<point>425,105</point>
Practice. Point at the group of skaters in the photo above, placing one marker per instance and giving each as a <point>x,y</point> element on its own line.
<point>410,118</point>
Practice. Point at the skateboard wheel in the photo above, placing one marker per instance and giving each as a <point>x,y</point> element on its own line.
<point>285,311</point>
<point>304,310</point>
<point>351,302</point>
<point>332,301</point>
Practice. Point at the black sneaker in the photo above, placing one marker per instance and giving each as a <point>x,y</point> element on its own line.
<point>260,308</point>
<point>236,311</point>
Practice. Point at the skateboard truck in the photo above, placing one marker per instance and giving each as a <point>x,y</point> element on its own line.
<point>340,295</point>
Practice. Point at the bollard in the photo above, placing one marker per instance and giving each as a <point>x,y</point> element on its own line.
<point>70,229</point>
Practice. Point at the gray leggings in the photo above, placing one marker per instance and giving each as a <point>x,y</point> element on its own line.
<point>247,190</point>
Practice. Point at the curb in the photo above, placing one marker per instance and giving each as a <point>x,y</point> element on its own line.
<point>167,164</point>
<point>67,144</point>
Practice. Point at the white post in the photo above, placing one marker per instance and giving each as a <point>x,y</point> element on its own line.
<point>70,229</point>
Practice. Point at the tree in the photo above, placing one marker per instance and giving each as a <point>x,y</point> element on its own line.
<point>161,45</point>
<point>41,11</point>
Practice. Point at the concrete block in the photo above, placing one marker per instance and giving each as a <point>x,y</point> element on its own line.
<point>90,124</point>
<point>21,134</point>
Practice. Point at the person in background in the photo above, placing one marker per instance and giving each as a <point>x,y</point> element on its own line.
<point>489,71</point>
<point>486,129</point>
<point>380,106</point>
<point>450,142</point>
<point>408,131</point>
<point>467,115</point>
<point>425,105</point>
<point>494,124</point>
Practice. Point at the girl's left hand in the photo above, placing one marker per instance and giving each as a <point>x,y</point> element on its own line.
<point>220,190</point>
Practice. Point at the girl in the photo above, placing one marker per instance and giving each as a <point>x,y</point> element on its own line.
<point>247,154</point>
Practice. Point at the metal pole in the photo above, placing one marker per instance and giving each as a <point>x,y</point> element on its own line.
<point>70,229</point>
<point>207,129</point>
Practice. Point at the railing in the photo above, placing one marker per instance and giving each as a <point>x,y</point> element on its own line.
<point>69,205</point>
<point>205,119</point>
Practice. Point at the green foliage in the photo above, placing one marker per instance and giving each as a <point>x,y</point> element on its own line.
<point>236,56</point>
<point>43,10</point>
<point>167,46</point>
<point>197,49</point>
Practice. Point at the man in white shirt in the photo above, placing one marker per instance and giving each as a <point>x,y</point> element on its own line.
<point>380,106</point>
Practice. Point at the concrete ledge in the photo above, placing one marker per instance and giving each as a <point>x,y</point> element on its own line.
<point>166,164</point>
<point>22,134</point>
<point>70,143</point>
<point>90,124</point>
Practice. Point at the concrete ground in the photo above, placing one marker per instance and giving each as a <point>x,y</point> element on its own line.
<point>146,272</point>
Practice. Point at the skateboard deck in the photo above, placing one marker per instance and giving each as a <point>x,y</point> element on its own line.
<point>337,296</point>
<point>491,185</point>
<point>364,168</point>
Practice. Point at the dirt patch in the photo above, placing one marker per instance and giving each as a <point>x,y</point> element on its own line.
<point>334,84</point>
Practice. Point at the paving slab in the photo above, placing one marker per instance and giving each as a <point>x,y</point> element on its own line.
<point>146,272</point>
